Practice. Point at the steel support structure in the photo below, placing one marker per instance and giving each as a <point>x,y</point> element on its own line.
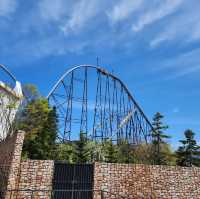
<point>92,101</point>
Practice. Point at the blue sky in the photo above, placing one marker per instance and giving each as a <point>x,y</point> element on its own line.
<point>153,46</point>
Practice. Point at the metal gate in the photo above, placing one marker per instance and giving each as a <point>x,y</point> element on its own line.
<point>73,181</point>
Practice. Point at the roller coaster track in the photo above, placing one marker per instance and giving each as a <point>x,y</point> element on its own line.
<point>93,101</point>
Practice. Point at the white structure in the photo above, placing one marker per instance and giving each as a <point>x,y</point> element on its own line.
<point>10,99</point>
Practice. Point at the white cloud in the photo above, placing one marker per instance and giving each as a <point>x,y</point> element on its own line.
<point>51,11</point>
<point>196,30</point>
<point>43,47</point>
<point>39,33</point>
<point>82,12</point>
<point>184,72</point>
<point>123,10</point>
<point>7,7</point>
<point>180,66</point>
<point>184,27</point>
<point>181,61</point>
<point>55,10</point>
<point>161,38</point>
<point>45,21</point>
<point>156,13</point>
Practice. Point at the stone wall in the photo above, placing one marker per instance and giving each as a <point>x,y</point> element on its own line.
<point>144,181</point>
<point>36,175</point>
<point>10,158</point>
<point>134,181</point>
<point>22,175</point>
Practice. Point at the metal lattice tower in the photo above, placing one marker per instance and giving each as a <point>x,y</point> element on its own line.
<point>93,101</point>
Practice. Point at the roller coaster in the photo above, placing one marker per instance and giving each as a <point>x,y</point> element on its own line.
<point>92,101</point>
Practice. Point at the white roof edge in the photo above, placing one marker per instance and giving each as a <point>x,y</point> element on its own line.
<point>16,92</point>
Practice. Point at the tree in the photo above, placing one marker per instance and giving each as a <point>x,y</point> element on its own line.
<point>159,137</point>
<point>65,152</point>
<point>124,152</point>
<point>168,153</point>
<point>47,137</point>
<point>189,153</point>
<point>142,154</point>
<point>30,93</point>
<point>82,150</point>
<point>39,121</point>
<point>110,152</point>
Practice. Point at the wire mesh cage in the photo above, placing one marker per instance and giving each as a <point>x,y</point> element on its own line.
<point>10,99</point>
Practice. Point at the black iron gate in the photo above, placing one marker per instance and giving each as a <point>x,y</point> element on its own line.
<point>73,181</point>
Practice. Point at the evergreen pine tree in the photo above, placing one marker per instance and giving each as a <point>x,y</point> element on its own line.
<point>159,137</point>
<point>82,151</point>
<point>110,152</point>
<point>189,153</point>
